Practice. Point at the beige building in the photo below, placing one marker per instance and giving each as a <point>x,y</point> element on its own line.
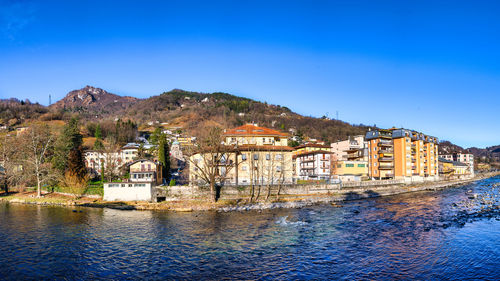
<point>465,158</point>
<point>353,149</point>
<point>254,155</point>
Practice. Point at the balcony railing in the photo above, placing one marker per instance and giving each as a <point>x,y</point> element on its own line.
<point>386,159</point>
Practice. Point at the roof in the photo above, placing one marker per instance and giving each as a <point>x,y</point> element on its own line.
<point>253,130</point>
<point>141,160</point>
<point>250,147</point>
<point>312,145</point>
<point>312,152</point>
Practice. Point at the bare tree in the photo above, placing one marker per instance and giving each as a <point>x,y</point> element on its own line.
<point>210,160</point>
<point>34,150</point>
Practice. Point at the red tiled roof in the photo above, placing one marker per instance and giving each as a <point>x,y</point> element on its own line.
<point>252,130</point>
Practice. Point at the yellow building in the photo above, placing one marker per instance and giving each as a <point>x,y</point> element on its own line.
<point>402,153</point>
<point>350,170</point>
<point>254,155</point>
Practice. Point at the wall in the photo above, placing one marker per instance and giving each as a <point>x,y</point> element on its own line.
<point>128,192</point>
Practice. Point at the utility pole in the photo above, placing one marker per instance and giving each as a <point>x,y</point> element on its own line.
<point>50,99</point>
<point>337,115</point>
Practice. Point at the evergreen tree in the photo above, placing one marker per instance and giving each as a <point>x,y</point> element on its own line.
<point>164,155</point>
<point>98,145</point>
<point>98,132</point>
<point>69,140</point>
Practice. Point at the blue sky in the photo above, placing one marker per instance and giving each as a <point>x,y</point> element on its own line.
<point>432,66</point>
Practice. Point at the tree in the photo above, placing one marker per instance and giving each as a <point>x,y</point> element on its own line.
<point>34,150</point>
<point>98,138</point>
<point>210,160</point>
<point>69,139</point>
<point>164,156</point>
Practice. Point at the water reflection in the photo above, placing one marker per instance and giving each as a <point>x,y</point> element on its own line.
<point>411,236</point>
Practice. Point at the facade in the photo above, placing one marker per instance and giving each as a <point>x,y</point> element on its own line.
<point>402,154</point>
<point>254,155</point>
<point>353,149</point>
<point>313,165</point>
<point>96,160</point>
<point>347,170</point>
<point>146,171</point>
<point>465,158</point>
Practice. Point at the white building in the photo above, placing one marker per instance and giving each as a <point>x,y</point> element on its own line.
<point>313,165</point>
<point>95,160</point>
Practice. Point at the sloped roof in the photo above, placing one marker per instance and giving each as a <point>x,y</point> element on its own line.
<point>312,153</point>
<point>253,130</point>
<point>312,145</point>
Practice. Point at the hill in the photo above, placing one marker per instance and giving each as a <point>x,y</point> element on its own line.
<point>90,101</point>
<point>192,111</point>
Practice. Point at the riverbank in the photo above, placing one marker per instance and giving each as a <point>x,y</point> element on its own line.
<point>226,205</point>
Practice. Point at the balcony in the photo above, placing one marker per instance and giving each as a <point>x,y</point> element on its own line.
<point>385,144</point>
<point>385,150</point>
<point>386,159</point>
<point>386,167</point>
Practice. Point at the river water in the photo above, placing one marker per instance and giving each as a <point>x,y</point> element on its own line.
<point>452,234</point>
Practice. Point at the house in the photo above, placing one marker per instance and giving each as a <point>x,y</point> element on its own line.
<point>253,155</point>
<point>21,130</point>
<point>146,170</point>
<point>402,154</point>
<point>313,165</point>
<point>145,175</point>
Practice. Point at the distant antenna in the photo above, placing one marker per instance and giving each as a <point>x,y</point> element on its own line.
<point>337,113</point>
<point>50,99</point>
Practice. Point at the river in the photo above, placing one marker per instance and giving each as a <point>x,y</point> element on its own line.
<point>453,234</point>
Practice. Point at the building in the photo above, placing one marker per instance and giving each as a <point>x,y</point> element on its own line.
<point>145,175</point>
<point>347,170</point>
<point>313,165</point>
<point>254,155</point>
<point>96,160</point>
<point>465,158</point>
<point>402,154</point>
<point>353,149</point>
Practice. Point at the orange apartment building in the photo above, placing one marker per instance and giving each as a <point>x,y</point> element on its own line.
<point>402,154</point>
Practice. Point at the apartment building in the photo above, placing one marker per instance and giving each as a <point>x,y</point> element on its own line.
<point>96,160</point>
<point>313,165</point>
<point>353,149</point>
<point>254,155</point>
<point>402,154</point>
<point>465,158</point>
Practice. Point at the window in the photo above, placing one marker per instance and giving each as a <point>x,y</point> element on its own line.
<point>361,165</point>
<point>279,157</point>
<point>374,156</point>
<point>349,165</point>
<point>256,157</point>
<point>339,166</point>
<point>268,156</point>
<point>243,168</point>
<point>278,168</point>
<point>243,157</point>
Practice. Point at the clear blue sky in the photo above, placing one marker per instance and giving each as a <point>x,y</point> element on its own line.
<point>433,67</point>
